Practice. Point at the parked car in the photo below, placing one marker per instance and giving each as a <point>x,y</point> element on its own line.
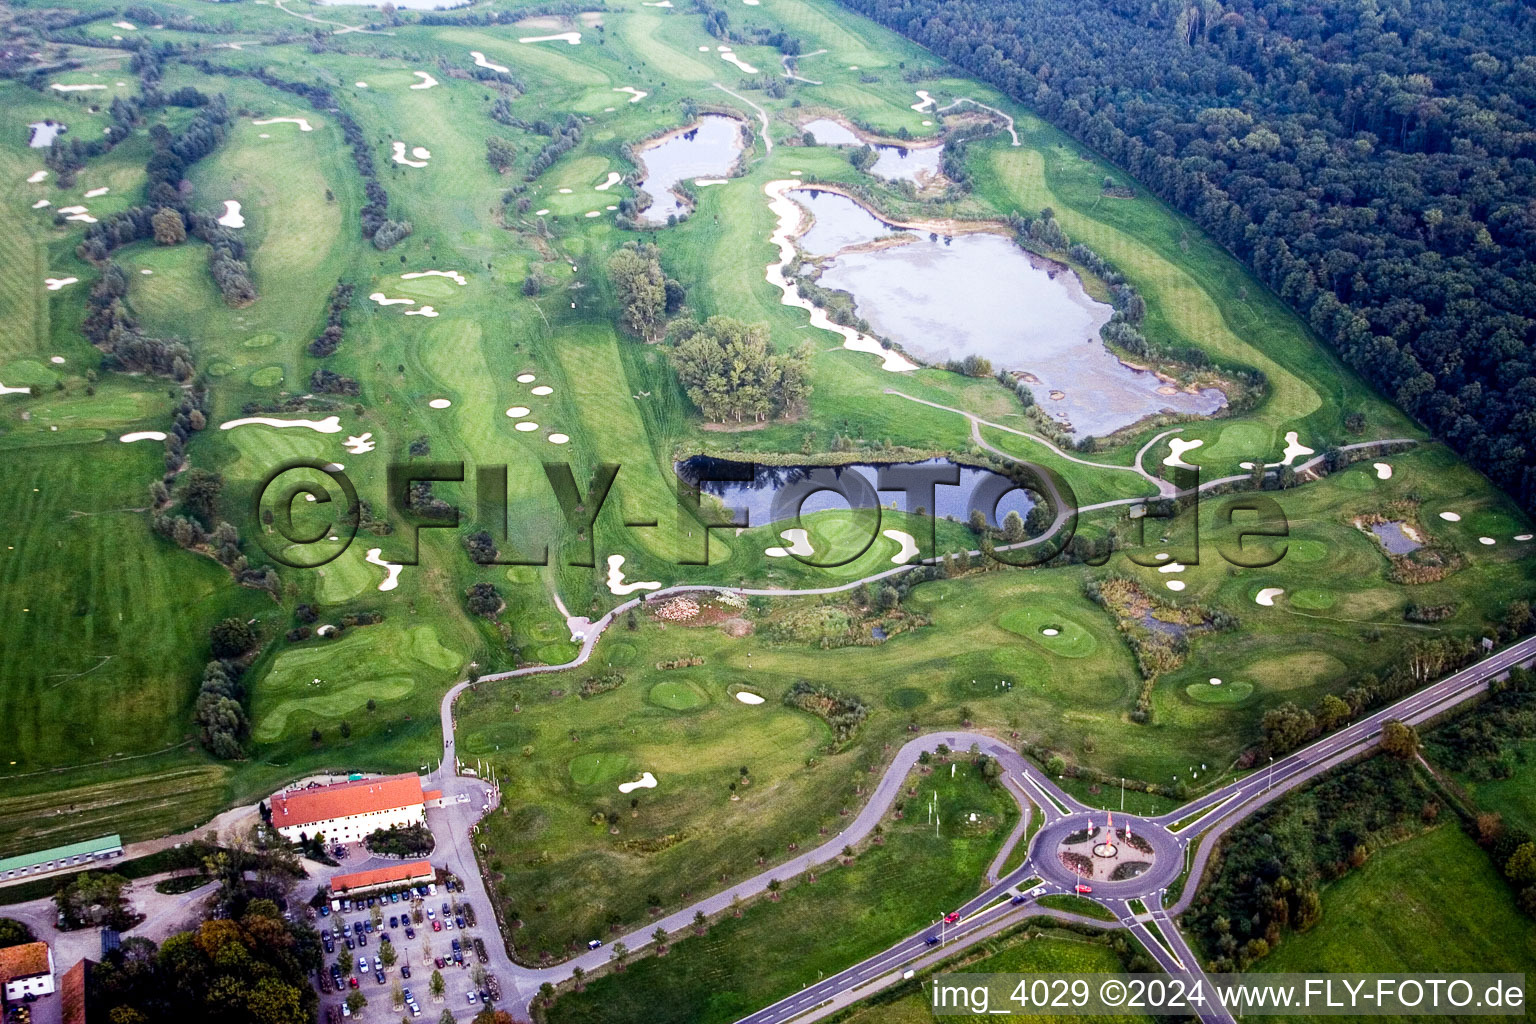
<point>394,921</point>
<point>357,926</point>
<point>471,998</point>
<point>431,914</point>
<point>405,970</point>
<point>350,943</point>
<point>445,910</point>
<point>352,981</point>
<point>378,976</point>
<point>362,940</point>
<point>437,926</point>
<point>362,964</point>
<point>394,897</point>
<point>368,925</point>
<point>410,932</point>
<point>325,910</point>
<point>458,922</point>
<point>441,963</point>
<point>456,946</point>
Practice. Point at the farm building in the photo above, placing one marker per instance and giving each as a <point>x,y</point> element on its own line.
<point>345,812</point>
<point>417,872</point>
<point>26,970</point>
<point>74,855</point>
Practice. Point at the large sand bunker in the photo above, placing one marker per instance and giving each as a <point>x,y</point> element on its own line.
<point>1178,447</point>
<point>385,300</point>
<point>453,275</point>
<point>481,62</point>
<point>731,58</point>
<point>143,435</point>
<point>37,177</point>
<point>97,193</point>
<point>53,284</point>
<point>646,781</point>
<point>14,391</point>
<point>360,444</point>
<point>400,158</point>
<point>1383,471</point>
<point>302,122</point>
<point>329,425</point>
<point>926,101</point>
<point>569,37</point>
<point>75,88</point>
<point>908,545</point>
<point>635,95</point>
<point>232,217</point>
<point>391,569</point>
<point>747,697</point>
<point>799,544</point>
<point>1266,597</point>
<point>427,81</point>
<point>614,177</point>
<point>616,584</point>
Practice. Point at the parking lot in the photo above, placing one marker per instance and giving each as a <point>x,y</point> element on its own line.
<point>423,928</point>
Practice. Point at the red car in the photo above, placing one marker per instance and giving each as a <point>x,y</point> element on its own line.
<point>1084,888</point>
<point>952,917</point>
<point>437,926</point>
<point>352,982</point>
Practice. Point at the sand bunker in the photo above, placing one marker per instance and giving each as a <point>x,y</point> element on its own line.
<point>1293,448</point>
<point>83,218</point>
<point>481,62</point>
<point>454,275</point>
<point>799,544</point>
<point>540,213</point>
<point>126,26</point>
<point>361,444</point>
<point>1451,517</point>
<point>558,438</point>
<point>56,360</point>
<point>593,213</point>
<point>1050,631</point>
<point>329,425</point>
<point>391,569</point>
<point>1487,540</point>
<point>1266,597</point>
<point>635,95</point>
<point>614,177</point>
<point>1171,567</point>
<point>647,781</point>
<point>439,403</point>
<point>1178,447</point>
<point>527,425</point>
<point>40,204</point>
<point>542,389</point>
<point>14,391</point>
<point>703,182</point>
<point>143,435</point>
<point>55,283</point>
<point>427,81</point>
<point>743,65</point>
<point>748,698</point>
<point>526,378</point>
<point>569,37</point>
<point>75,88</point>
<point>302,122</point>
<point>1383,471</point>
<point>655,3</point>
<point>927,101</point>
<point>426,311</point>
<point>1175,585</point>
<point>71,209</point>
<point>616,584</point>
<point>790,215</point>
<point>146,271</point>
<point>232,217</point>
<point>400,158</point>
<point>361,85</point>
<point>908,545</point>
<point>96,193</point>
<point>384,300</point>
<point>517,412</point>
<point>36,177</point>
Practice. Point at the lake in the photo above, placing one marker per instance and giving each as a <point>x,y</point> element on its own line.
<point>913,163</point>
<point>994,493</point>
<point>44,132</point>
<point>707,149</point>
<point>947,297</point>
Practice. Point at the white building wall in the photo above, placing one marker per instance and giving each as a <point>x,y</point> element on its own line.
<point>354,828</point>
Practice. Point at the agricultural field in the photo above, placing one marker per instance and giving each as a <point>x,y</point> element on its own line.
<point>490,337</point>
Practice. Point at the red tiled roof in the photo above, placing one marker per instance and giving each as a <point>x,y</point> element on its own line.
<point>382,876</point>
<point>432,794</point>
<point>23,961</point>
<point>72,993</point>
<point>325,803</point>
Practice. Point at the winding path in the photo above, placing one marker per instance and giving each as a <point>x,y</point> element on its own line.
<point>761,113</point>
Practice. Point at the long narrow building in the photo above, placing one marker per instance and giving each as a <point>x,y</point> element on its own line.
<point>346,812</point>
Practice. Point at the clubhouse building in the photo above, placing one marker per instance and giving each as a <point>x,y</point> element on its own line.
<point>346,812</point>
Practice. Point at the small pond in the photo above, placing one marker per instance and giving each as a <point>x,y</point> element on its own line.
<point>912,163</point>
<point>707,149</point>
<point>979,488</point>
<point>1395,537</point>
<point>44,132</point>
<point>838,222</point>
<point>943,298</point>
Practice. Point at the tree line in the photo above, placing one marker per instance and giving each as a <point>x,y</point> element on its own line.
<point>1370,163</point>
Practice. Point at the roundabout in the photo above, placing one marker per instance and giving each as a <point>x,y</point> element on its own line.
<point>1119,859</point>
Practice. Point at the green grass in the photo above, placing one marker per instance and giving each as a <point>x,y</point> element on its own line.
<point>888,892</point>
<point>1432,903</point>
<point>1077,905</point>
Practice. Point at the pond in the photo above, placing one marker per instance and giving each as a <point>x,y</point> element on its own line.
<point>917,164</point>
<point>996,495</point>
<point>943,298</point>
<point>44,132</point>
<point>404,5</point>
<point>1394,536</point>
<point>838,223</point>
<point>706,149</point>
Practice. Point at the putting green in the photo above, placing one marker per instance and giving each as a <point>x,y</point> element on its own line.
<point>676,695</point>
<point>347,576</point>
<point>1305,551</point>
<point>1314,598</point>
<point>28,373</point>
<point>1071,640</point>
<point>258,341</point>
<point>267,376</point>
<point>1243,442</point>
<point>220,369</point>
<point>619,653</point>
<point>1226,693</point>
<point>1360,478</point>
<point>906,698</point>
<point>594,768</point>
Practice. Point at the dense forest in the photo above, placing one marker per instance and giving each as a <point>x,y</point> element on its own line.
<point>1370,160</point>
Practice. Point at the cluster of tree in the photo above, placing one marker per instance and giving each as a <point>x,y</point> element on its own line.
<point>328,382</point>
<point>481,547</point>
<point>499,153</point>
<point>862,157</point>
<point>1273,865</point>
<point>484,599</point>
<point>15,933</point>
<point>400,841</point>
<point>843,712</point>
<point>1371,164</point>
<point>219,710</point>
<point>94,899</point>
<point>729,371</point>
<point>252,970</point>
<point>1491,743</point>
<point>647,296</point>
<point>111,327</point>
<point>329,340</point>
<point>562,142</point>
<point>560,8</point>
<point>227,264</point>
